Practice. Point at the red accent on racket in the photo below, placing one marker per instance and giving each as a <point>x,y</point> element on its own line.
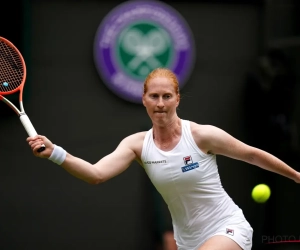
<point>12,80</point>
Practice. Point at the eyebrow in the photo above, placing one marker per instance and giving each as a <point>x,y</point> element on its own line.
<point>155,93</point>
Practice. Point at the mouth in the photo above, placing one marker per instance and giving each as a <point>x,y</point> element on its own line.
<point>160,112</point>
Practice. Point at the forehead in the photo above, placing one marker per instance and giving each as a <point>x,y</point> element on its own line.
<point>161,84</point>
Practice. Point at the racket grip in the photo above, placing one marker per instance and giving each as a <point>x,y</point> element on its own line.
<point>30,129</point>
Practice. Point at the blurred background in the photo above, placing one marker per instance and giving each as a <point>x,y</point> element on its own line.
<point>245,80</point>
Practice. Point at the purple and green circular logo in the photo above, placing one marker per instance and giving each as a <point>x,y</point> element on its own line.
<point>137,37</point>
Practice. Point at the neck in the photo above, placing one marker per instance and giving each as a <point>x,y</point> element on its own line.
<point>167,131</point>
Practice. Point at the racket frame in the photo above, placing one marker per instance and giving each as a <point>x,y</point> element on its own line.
<point>20,111</point>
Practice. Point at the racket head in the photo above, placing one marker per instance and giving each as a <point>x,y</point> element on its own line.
<point>12,69</point>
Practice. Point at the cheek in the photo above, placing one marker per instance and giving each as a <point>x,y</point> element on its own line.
<point>147,103</point>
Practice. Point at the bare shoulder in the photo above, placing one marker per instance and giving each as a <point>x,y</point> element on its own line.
<point>213,140</point>
<point>201,134</point>
<point>135,142</point>
<point>201,130</point>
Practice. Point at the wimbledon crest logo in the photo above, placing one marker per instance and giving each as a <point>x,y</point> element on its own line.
<point>137,37</point>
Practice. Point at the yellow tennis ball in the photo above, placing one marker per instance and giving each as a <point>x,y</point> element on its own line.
<point>261,193</point>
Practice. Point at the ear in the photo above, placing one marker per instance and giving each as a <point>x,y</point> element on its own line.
<point>178,100</point>
<point>143,99</point>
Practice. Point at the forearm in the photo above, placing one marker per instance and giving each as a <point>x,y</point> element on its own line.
<point>81,169</point>
<point>77,167</point>
<point>271,163</point>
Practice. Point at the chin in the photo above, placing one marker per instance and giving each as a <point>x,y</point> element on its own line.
<point>159,119</point>
<point>160,116</point>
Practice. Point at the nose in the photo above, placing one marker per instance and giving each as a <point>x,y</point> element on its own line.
<point>160,103</point>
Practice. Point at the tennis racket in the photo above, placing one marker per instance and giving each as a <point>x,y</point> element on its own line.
<point>12,80</point>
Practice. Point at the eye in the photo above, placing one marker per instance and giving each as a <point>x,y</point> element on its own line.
<point>167,96</point>
<point>154,96</point>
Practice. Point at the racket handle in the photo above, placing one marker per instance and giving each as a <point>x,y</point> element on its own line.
<point>30,129</point>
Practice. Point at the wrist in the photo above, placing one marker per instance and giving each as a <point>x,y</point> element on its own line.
<point>58,155</point>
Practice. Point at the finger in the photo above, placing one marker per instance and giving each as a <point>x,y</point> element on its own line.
<point>35,141</point>
<point>32,138</point>
<point>35,144</point>
<point>36,137</point>
<point>36,148</point>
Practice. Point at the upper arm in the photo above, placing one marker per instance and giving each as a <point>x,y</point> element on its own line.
<point>119,160</point>
<point>214,140</point>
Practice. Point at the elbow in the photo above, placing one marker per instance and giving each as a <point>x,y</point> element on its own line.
<point>251,159</point>
<point>96,179</point>
<point>93,181</point>
<point>97,176</point>
<point>254,156</point>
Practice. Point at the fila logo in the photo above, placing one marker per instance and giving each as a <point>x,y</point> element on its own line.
<point>187,160</point>
<point>230,231</point>
<point>189,165</point>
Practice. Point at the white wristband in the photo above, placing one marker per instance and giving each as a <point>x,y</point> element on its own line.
<point>58,155</point>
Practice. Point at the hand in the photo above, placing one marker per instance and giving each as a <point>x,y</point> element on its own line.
<point>36,142</point>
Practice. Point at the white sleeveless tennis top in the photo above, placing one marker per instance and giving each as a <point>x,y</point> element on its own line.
<point>189,182</point>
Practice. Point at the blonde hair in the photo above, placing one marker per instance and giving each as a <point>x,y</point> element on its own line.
<point>162,72</point>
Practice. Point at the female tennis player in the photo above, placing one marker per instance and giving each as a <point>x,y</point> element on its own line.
<point>179,156</point>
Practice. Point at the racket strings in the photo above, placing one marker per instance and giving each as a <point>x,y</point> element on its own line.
<point>11,68</point>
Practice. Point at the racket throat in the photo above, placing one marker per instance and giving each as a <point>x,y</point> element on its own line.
<point>10,104</point>
<point>22,112</point>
